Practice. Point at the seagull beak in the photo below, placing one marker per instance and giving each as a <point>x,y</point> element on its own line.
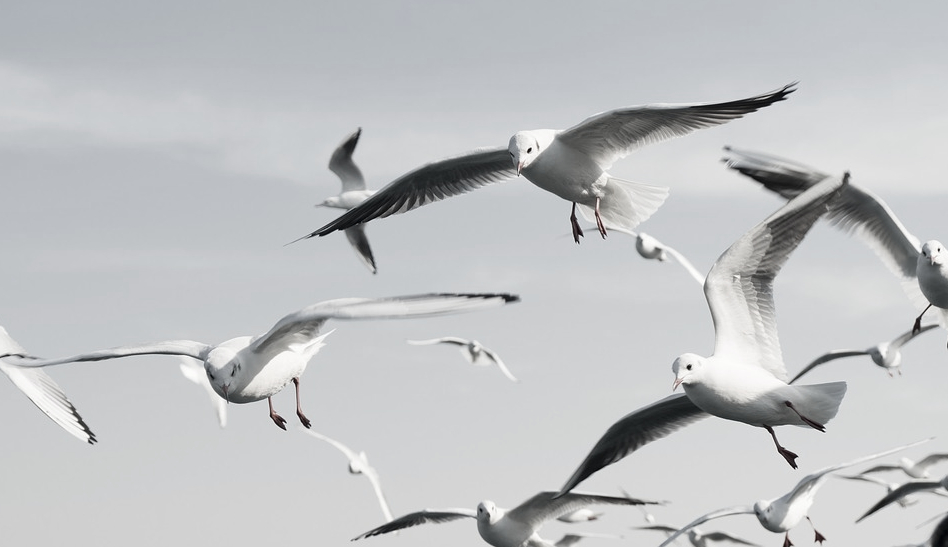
<point>519,168</point>
<point>676,383</point>
<point>224,389</point>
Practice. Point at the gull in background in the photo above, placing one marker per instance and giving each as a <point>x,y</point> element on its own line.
<point>922,268</point>
<point>889,487</point>
<point>906,489</point>
<point>251,368</point>
<point>571,163</point>
<point>781,514</point>
<point>473,352</point>
<point>696,536</point>
<point>359,465</point>
<point>653,249</point>
<point>887,355</point>
<point>914,469</point>
<point>516,527</point>
<point>574,537</point>
<point>353,193</point>
<point>192,370</point>
<point>580,515</point>
<point>42,390</point>
<point>745,378</point>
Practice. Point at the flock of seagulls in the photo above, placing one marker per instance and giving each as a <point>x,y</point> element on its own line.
<point>744,378</point>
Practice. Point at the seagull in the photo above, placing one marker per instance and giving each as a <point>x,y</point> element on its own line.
<point>653,249</point>
<point>889,487</point>
<point>922,268</point>
<point>745,379</point>
<point>42,390</point>
<point>697,537</point>
<point>516,527</point>
<point>915,470</point>
<point>251,368</point>
<point>908,488</point>
<point>473,352</point>
<point>353,193</point>
<point>193,371</point>
<point>580,515</point>
<point>571,163</point>
<point>887,355</point>
<point>783,513</point>
<point>359,465</point>
<point>574,537</point>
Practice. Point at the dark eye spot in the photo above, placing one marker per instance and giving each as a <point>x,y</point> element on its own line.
<point>530,150</point>
<point>233,372</point>
<point>687,367</point>
<point>211,376</point>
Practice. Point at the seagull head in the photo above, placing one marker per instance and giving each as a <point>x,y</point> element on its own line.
<point>686,368</point>
<point>331,201</point>
<point>488,512</point>
<point>523,148</point>
<point>223,370</point>
<point>933,252</point>
<point>764,510</point>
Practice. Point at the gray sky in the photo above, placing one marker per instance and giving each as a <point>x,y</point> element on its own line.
<point>156,158</point>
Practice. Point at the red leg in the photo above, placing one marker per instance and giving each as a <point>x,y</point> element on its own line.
<point>299,411</point>
<point>786,540</point>
<point>577,231</point>
<point>277,419</point>
<point>815,425</point>
<point>819,537</point>
<point>787,455</point>
<point>599,224</point>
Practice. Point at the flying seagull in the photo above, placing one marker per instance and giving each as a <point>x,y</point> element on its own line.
<point>781,514</point>
<point>908,488</point>
<point>745,378</point>
<point>914,469</point>
<point>251,368</point>
<point>922,268</point>
<point>473,352</point>
<point>696,536</point>
<point>571,163</point>
<point>353,193</point>
<point>653,249</point>
<point>516,527</point>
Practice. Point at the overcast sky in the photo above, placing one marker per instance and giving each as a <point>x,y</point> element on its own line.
<point>155,158</point>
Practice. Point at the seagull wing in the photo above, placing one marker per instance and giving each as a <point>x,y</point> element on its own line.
<point>908,335</point>
<point>188,348</point>
<point>359,242</point>
<point>48,397</point>
<point>574,537</point>
<point>721,536</point>
<point>429,183</point>
<point>931,460</point>
<point>739,287</point>
<point>500,364</point>
<point>195,372</point>
<point>740,510</point>
<point>342,165</point>
<point>635,430</point>
<point>425,516</point>
<point>899,493</point>
<point>348,452</point>
<point>829,356</point>
<point>546,506</point>
<point>443,340</point>
<point>612,135</point>
<point>699,277</point>
<point>301,327</point>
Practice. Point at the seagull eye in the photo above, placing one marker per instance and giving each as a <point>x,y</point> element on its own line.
<point>687,367</point>
<point>529,150</point>
<point>211,376</point>
<point>233,372</point>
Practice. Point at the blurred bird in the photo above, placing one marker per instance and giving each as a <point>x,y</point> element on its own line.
<point>915,470</point>
<point>192,370</point>
<point>473,352</point>
<point>696,536</point>
<point>910,487</point>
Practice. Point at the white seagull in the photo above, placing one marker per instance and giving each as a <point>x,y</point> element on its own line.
<point>251,368</point>
<point>887,355</point>
<point>571,163</point>
<point>696,536</point>
<point>781,514</point>
<point>914,469</point>
<point>516,527</point>
<point>473,352</point>
<point>922,268</point>
<point>653,249</point>
<point>359,465</point>
<point>41,390</point>
<point>908,488</point>
<point>889,487</point>
<point>353,193</point>
<point>192,370</point>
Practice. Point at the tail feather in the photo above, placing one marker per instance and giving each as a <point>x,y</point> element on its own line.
<point>626,204</point>
<point>822,401</point>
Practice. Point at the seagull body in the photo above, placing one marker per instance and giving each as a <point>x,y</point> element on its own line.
<point>516,527</point>
<point>781,514</point>
<point>473,352</point>
<point>859,211</point>
<point>653,249</point>
<point>887,355</point>
<point>192,370</point>
<point>571,163</point>
<point>914,469</point>
<point>251,368</point>
<point>359,465</point>
<point>353,193</point>
<point>906,489</point>
<point>697,537</point>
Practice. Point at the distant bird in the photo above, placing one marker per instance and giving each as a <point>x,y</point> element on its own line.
<point>697,537</point>
<point>889,487</point>
<point>887,355</point>
<point>353,193</point>
<point>250,368</point>
<point>516,527</point>
<point>42,390</point>
<point>915,470</point>
<point>359,465</point>
<point>653,249</point>
<point>571,163</point>
<point>580,515</point>
<point>649,517</point>
<point>922,268</point>
<point>745,378</point>
<point>906,489</point>
<point>574,538</point>
<point>192,370</point>
<point>473,352</point>
<point>781,514</point>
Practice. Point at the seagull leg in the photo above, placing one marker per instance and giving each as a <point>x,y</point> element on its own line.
<point>599,224</point>
<point>815,425</point>
<point>787,455</point>
<point>577,231</point>
<point>277,419</point>
<point>786,540</point>
<point>819,537</point>
<point>299,410</point>
<point>918,320</point>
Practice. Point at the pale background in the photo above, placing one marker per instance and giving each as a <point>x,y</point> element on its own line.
<point>156,157</point>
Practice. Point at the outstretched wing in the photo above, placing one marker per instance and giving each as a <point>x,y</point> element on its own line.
<point>425,516</point>
<point>342,165</point>
<point>829,356</point>
<point>359,241</point>
<point>740,510</point>
<point>899,493</point>
<point>48,397</point>
<point>546,506</point>
<point>188,348</point>
<point>612,135</point>
<point>635,430</point>
<point>429,183</point>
